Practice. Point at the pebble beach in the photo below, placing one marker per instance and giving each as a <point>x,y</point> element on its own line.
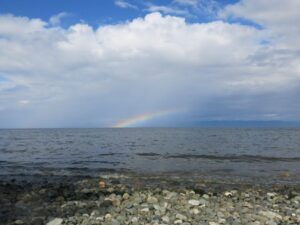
<point>118,200</point>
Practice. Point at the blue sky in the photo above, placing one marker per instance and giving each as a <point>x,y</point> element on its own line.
<point>97,12</point>
<point>153,63</point>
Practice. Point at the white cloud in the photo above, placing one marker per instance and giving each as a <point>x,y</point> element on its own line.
<point>278,17</point>
<point>56,19</point>
<point>269,13</point>
<point>125,5</point>
<point>280,28</point>
<point>19,26</point>
<point>80,76</point>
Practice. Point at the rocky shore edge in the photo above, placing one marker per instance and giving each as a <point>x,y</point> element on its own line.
<point>146,201</point>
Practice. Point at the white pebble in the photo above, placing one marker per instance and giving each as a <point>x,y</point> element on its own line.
<point>165,219</point>
<point>213,223</point>
<point>194,202</point>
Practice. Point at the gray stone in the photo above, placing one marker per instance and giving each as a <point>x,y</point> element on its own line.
<point>194,202</point>
<point>126,196</point>
<point>115,222</point>
<point>270,215</point>
<point>213,223</point>
<point>152,200</point>
<point>18,222</point>
<point>180,216</point>
<point>165,219</point>
<point>56,221</point>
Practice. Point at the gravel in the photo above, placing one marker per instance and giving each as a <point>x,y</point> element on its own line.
<point>89,202</point>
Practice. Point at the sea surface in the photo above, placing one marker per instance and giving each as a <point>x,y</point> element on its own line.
<point>256,154</point>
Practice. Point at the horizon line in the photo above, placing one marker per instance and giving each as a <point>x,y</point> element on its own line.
<point>200,124</point>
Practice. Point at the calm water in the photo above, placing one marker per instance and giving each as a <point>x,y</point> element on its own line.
<point>245,153</point>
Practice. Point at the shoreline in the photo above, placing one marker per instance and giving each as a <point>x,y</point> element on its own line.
<point>123,199</point>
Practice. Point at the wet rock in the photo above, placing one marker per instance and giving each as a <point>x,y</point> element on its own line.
<point>56,221</point>
<point>18,222</point>
<point>37,221</point>
<point>199,191</point>
<point>106,203</point>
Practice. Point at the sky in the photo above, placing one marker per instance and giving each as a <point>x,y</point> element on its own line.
<point>130,63</point>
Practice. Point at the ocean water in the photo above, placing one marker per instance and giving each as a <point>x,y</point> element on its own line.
<point>257,154</point>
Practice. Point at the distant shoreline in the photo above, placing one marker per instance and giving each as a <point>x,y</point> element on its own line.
<point>198,124</point>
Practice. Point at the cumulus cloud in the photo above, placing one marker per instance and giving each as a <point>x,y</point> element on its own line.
<point>19,26</point>
<point>81,76</point>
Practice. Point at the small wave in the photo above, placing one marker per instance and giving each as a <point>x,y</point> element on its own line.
<point>86,169</point>
<point>148,154</point>
<point>241,158</point>
<point>235,158</point>
<point>95,161</point>
<point>109,154</point>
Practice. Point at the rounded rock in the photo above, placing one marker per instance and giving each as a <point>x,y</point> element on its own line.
<point>56,221</point>
<point>194,202</point>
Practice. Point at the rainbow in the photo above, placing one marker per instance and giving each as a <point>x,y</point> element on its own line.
<point>140,118</point>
